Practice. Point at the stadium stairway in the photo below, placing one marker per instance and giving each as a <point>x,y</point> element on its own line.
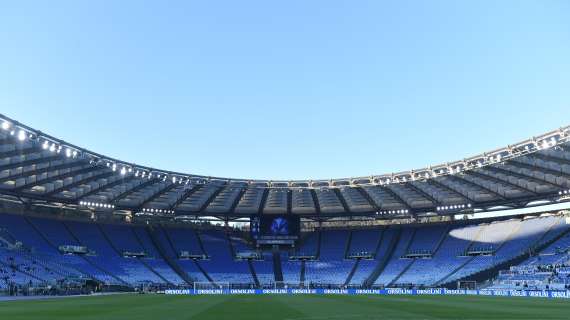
<point>302,273</point>
<point>414,230</point>
<point>106,237</point>
<point>50,243</point>
<point>151,269</point>
<point>253,274</point>
<point>170,261</point>
<point>412,237</point>
<point>46,240</point>
<point>454,271</point>
<point>383,260</point>
<point>406,268</point>
<point>511,235</point>
<point>379,242</point>
<point>348,242</point>
<point>93,264</point>
<point>201,243</point>
<point>206,275</point>
<point>231,245</point>
<point>442,239</point>
<point>277,268</point>
<point>467,259</point>
<point>352,272</point>
<point>476,238</point>
<point>168,239</point>
<point>408,245</point>
<point>494,271</point>
<point>140,243</point>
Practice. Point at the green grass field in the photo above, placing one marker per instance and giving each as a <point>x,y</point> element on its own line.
<point>278,307</point>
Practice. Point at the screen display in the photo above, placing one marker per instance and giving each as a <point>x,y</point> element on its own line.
<point>275,229</point>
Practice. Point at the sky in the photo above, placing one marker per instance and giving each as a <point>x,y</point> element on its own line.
<point>287,89</point>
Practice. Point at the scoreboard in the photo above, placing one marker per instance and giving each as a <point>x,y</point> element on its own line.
<point>275,229</point>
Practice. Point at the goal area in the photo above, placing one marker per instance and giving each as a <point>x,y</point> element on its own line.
<point>467,285</point>
<point>211,286</point>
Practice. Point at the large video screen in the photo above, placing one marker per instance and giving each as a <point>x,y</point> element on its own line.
<point>275,229</point>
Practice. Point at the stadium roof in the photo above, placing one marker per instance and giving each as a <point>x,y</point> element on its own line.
<point>42,168</point>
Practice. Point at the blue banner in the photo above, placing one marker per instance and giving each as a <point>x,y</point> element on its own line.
<point>387,291</point>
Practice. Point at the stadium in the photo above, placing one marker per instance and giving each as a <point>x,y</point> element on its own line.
<point>77,222</point>
<point>185,160</point>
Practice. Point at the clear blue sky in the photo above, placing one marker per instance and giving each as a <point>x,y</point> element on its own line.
<point>287,89</point>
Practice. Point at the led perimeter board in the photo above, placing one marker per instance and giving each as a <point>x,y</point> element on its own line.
<point>275,229</point>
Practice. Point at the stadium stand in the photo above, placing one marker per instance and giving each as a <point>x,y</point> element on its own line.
<point>431,255</point>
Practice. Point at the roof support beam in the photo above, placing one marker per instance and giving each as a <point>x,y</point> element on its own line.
<point>476,185</point>
<point>188,191</point>
<point>499,180</point>
<point>105,186</point>
<point>451,189</point>
<point>397,197</point>
<point>136,188</point>
<point>289,201</point>
<point>316,202</point>
<point>263,200</point>
<point>341,199</point>
<point>155,195</point>
<point>211,198</point>
<point>368,198</point>
<point>236,200</point>
<point>78,183</point>
<point>423,193</point>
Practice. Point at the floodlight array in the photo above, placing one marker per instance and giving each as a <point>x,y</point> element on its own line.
<point>97,205</point>
<point>152,210</point>
<point>399,211</point>
<point>454,207</point>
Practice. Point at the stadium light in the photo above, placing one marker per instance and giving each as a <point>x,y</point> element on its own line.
<point>22,135</point>
<point>454,207</point>
<point>6,125</point>
<point>96,204</point>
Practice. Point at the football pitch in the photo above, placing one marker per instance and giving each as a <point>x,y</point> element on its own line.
<point>285,307</point>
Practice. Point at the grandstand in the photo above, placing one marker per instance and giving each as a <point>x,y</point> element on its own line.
<point>73,218</point>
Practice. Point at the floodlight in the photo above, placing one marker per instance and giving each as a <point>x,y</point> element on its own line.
<point>22,135</point>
